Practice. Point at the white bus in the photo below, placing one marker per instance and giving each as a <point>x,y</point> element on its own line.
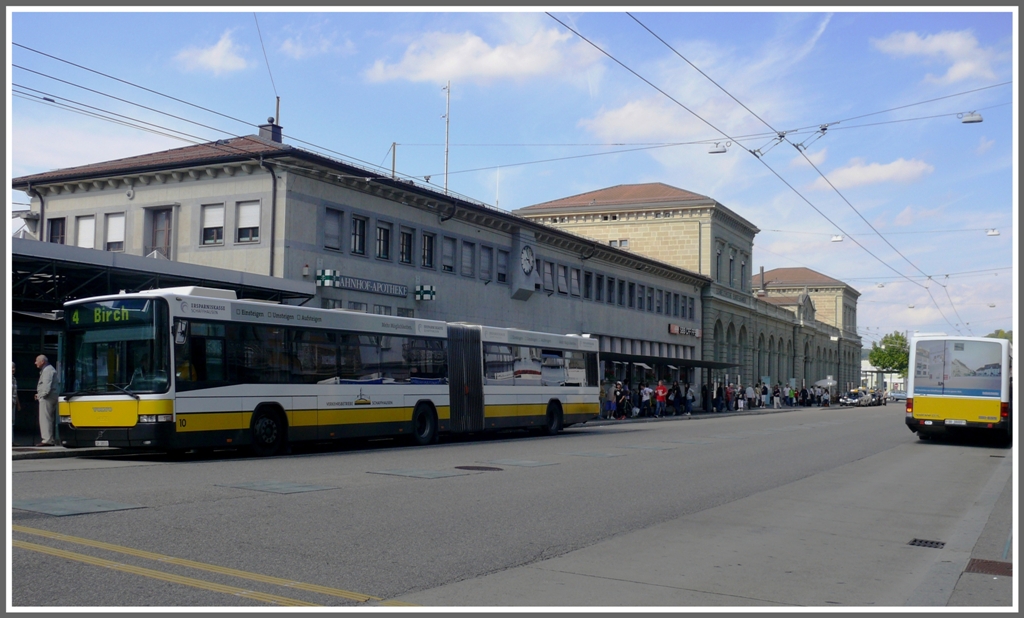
<point>959,384</point>
<point>184,368</point>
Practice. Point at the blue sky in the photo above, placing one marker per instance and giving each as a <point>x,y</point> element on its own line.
<point>527,94</point>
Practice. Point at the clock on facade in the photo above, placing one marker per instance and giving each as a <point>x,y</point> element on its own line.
<point>526,259</point>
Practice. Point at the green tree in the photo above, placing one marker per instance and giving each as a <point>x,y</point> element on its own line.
<point>891,354</point>
<point>1002,334</point>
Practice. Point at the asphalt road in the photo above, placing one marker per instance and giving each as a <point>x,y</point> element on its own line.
<point>809,507</point>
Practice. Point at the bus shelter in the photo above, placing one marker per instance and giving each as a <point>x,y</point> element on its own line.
<point>638,369</point>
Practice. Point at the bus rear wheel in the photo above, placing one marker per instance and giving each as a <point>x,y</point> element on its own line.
<point>267,432</point>
<point>424,426</point>
<point>553,419</point>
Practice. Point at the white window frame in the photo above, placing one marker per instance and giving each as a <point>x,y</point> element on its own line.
<point>211,218</point>
<point>115,230</point>
<point>247,219</point>
<point>85,231</point>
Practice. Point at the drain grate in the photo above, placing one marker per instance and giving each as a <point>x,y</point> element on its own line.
<point>478,468</point>
<point>924,543</point>
<point>990,567</point>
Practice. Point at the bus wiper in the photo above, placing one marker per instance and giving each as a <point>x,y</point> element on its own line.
<point>124,390</point>
<point>83,391</point>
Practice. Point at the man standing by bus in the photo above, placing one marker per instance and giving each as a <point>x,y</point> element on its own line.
<point>46,395</point>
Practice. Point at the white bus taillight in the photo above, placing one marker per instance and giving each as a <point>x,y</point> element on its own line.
<point>1004,409</point>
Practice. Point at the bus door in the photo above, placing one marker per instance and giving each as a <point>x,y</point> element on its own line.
<point>465,378</point>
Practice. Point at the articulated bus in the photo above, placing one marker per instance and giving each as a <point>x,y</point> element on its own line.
<point>960,384</point>
<point>185,368</point>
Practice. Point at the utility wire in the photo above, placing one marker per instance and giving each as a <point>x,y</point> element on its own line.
<point>782,137</point>
<point>272,84</point>
<point>727,136</point>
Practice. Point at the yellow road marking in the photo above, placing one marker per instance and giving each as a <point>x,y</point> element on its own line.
<point>397,604</point>
<point>167,577</point>
<point>354,596</point>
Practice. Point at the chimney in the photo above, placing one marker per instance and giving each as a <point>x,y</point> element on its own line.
<point>271,130</point>
<point>762,291</point>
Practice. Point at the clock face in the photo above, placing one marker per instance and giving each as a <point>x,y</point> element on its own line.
<point>526,259</point>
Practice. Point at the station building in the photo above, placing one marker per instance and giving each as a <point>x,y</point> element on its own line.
<point>789,325</point>
<point>376,243</point>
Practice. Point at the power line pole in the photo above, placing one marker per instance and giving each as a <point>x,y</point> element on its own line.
<point>447,107</point>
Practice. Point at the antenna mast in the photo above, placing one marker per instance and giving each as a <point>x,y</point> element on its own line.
<point>447,107</point>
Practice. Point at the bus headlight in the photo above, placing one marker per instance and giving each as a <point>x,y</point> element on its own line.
<point>65,420</point>
<point>156,418</point>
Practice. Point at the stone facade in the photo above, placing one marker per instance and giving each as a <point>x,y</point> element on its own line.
<point>256,205</point>
<point>803,328</point>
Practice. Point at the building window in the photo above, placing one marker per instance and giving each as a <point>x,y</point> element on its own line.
<point>405,246</point>
<point>502,266</point>
<point>650,299</point>
<point>402,312</point>
<point>622,294</point>
<point>354,306</point>
<point>383,241</point>
<point>691,309</point>
<point>657,306</point>
<point>86,230</point>
<point>611,290</point>
<point>161,237</point>
<point>598,287</point>
<point>613,243</point>
<point>574,281</point>
<point>448,254</point>
<point>633,293</point>
<point>115,232</point>
<point>732,270</point>
<point>549,276</point>
<point>332,229</point>
<point>57,231</point>
<point>468,259</point>
<point>675,305</point>
<point>358,236</point>
<point>427,255</point>
<point>624,243</point>
<point>382,309</point>
<point>486,259</point>
<point>213,224</point>
<point>743,275</point>
<point>563,284</point>
<point>718,265</point>
<point>588,285</point>
<point>248,221</point>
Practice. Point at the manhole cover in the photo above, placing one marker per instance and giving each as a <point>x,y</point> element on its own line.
<point>924,543</point>
<point>478,468</point>
<point>990,567</point>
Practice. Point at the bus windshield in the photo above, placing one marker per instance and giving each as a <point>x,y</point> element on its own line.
<point>117,345</point>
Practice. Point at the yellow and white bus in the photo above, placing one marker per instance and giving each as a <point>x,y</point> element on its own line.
<point>184,368</point>
<point>959,384</point>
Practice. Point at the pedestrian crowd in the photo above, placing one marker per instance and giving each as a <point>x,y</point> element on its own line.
<point>621,401</point>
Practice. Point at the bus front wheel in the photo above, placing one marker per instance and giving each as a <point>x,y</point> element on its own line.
<point>267,432</point>
<point>424,426</point>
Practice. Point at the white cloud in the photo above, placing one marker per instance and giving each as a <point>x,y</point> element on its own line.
<point>440,56</point>
<point>857,173</point>
<point>911,215</point>
<point>223,57</point>
<point>43,146</point>
<point>817,158</point>
<point>959,49</point>
<point>984,145</point>
<point>312,42</point>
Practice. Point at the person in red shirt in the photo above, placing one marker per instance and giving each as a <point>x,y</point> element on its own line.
<point>660,398</point>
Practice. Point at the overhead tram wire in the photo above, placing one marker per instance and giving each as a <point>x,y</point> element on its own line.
<point>205,109</point>
<point>737,139</point>
<point>782,137</point>
<point>727,136</point>
<point>264,48</point>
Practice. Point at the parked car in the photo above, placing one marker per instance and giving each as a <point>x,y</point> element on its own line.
<point>897,395</point>
<point>852,398</point>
